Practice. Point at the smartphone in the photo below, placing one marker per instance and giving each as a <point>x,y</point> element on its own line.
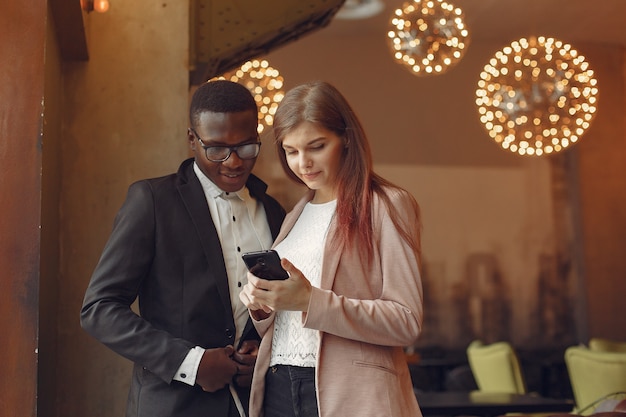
<point>265,264</point>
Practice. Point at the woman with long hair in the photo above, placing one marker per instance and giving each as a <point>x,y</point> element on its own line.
<point>334,331</point>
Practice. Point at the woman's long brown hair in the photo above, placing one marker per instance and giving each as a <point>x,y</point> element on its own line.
<point>321,103</point>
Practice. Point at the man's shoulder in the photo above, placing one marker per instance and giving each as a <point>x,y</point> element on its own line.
<point>181,176</point>
<point>258,190</point>
<point>163,185</point>
<point>256,185</point>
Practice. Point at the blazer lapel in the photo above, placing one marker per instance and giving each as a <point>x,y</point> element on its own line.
<point>291,219</point>
<point>332,254</point>
<point>194,199</point>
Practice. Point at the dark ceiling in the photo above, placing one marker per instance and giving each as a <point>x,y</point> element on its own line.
<point>226,33</point>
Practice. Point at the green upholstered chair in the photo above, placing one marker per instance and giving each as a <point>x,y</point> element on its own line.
<point>606,345</point>
<point>496,367</point>
<point>594,375</point>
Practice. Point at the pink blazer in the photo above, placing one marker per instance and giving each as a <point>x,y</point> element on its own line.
<point>365,317</point>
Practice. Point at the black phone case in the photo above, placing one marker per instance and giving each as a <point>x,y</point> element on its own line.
<point>265,264</point>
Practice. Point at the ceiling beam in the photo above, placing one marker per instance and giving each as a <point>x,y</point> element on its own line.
<point>226,33</point>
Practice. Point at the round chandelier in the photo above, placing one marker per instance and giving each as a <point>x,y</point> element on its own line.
<point>537,96</point>
<point>266,85</point>
<point>428,36</point>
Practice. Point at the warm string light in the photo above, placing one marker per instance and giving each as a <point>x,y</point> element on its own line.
<point>537,96</point>
<point>99,6</point>
<point>429,36</point>
<point>266,85</point>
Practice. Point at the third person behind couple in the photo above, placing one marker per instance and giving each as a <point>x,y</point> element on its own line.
<point>334,331</point>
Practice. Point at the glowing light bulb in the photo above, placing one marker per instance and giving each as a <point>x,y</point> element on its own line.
<point>537,96</point>
<point>428,36</point>
<point>101,6</point>
<point>266,85</point>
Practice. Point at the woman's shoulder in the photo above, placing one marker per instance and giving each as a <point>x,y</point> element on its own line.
<point>395,204</point>
<point>395,195</point>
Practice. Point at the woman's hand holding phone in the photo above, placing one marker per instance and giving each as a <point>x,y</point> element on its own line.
<point>291,294</point>
<point>265,264</point>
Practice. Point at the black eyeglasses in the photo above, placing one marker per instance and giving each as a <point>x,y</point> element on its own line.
<point>222,153</point>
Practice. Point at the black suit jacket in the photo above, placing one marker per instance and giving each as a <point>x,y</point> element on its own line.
<point>164,249</point>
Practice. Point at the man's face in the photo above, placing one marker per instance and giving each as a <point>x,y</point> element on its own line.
<point>225,129</point>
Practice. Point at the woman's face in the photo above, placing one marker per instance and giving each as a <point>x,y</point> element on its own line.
<point>314,155</point>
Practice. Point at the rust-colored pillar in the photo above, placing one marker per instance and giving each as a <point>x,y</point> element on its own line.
<point>22,40</point>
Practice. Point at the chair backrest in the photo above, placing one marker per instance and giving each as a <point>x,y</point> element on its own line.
<point>496,367</point>
<point>606,345</point>
<point>594,374</point>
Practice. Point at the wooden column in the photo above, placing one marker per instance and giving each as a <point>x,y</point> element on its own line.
<point>22,41</point>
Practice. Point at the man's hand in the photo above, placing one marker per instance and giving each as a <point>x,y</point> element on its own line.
<point>245,358</point>
<point>217,368</point>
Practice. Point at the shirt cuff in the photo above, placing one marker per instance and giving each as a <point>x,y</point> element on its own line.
<point>189,368</point>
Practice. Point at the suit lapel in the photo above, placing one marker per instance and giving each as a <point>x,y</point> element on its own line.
<point>330,262</point>
<point>258,191</point>
<point>195,201</point>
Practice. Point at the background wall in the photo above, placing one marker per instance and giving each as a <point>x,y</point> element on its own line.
<point>501,232</point>
<point>600,175</point>
<point>21,108</point>
<point>125,119</point>
<point>49,279</point>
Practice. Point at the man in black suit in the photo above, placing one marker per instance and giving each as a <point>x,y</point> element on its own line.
<point>176,246</point>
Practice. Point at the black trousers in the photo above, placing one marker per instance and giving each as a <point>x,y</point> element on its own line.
<point>290,392</point>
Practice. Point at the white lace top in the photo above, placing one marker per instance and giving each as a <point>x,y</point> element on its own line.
<point>292,344</point>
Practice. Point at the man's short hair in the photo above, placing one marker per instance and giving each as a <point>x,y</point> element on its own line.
<point>220,96</point>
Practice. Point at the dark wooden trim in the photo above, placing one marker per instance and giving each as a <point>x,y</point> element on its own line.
<point>70,29</point>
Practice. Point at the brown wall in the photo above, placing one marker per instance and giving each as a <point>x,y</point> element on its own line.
<point>125,118</point>
<point>21,95</point>
<point>50,276</point>
<point>601,175</point>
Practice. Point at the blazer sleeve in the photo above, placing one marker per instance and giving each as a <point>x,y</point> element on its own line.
<point>262,326</point>
<point>381,304</point>
<point>126,260</point>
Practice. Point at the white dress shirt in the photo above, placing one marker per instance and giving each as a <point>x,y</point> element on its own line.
<point>242,226</point>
